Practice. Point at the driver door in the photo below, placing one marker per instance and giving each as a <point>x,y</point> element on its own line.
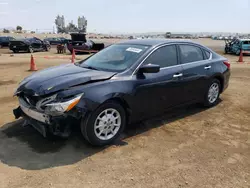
<point>157,91</point>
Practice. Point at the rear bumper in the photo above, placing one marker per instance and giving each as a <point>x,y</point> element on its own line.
<point>246,51</point>
<point>226,75</point>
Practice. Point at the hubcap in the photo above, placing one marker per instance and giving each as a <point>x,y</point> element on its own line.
<point>213,92</point>
<point>107,124</point>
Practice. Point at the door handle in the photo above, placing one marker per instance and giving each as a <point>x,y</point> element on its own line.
<point>177,75</point>
<point>207,67</point>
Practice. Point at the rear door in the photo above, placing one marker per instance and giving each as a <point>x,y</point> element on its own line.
<point>196,69</point>
<point>246,45</point>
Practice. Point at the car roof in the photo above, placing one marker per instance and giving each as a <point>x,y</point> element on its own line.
<point>244,39</point>
<point>156,42</point>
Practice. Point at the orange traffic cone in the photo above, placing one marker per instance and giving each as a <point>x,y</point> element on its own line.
<point>73,56</point>
<point>32,64</point>
<point>241,57</point>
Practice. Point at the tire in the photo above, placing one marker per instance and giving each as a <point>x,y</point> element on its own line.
<point>238,52</point>
<point>30,50</point>
<point>15,51</point>
<point>89,125</point>
<point>47,48</point>
<point>212,95</point>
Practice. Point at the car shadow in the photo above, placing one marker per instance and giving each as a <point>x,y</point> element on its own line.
<point>23,147</point>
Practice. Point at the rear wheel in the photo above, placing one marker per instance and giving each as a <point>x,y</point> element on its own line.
<point>105,124</point>
<point>213,93</point>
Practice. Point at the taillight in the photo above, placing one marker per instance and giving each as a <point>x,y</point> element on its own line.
<point>227,64</point>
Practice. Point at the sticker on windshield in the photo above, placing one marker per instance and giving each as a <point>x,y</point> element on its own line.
<point>136,50</point>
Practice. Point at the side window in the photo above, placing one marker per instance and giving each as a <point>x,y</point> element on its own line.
<point>190,53</point>
<point>207,54</point>
<point>246,42</point>
<point>165,56</point>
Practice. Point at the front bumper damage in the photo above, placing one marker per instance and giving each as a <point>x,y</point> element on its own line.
<point>49,125</point>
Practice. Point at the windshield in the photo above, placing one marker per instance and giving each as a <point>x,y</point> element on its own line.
<point>116,58</point>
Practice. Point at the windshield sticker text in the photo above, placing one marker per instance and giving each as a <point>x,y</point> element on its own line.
<point>136,50</point>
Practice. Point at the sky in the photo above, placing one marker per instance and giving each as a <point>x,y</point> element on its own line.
<point>130,16</point>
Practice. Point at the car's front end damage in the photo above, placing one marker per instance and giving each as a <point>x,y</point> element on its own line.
<point>53,100</point>
<point>48,115</point>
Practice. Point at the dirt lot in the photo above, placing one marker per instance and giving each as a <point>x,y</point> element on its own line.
<point>188,147</point>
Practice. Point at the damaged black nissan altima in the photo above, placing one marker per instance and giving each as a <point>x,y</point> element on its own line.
<point>122,83</point>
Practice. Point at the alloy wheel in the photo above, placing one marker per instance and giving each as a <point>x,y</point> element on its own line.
<point>107,124</point>
<point>213,93</point>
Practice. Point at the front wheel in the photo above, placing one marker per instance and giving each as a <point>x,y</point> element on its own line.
<point>105,124</point>
<point>47,48</point>
<point>212,94</point>
<point>30,50</point>
<point>237,52</point>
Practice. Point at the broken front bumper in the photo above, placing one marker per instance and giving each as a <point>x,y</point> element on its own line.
<point>46,124</point>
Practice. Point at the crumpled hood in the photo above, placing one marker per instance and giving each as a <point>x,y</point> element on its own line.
<point>58,78</point>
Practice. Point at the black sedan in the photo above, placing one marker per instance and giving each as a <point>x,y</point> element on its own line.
<point>29,45</point>
<point>123,83</point>
<point>56,41</point>
<point>5,40</point>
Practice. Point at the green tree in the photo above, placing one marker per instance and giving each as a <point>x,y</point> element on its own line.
<point>71,27</point>
<point>6,31</point>
<point>19,28</point>
<point>167,34</point>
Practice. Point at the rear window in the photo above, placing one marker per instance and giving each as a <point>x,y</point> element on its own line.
<point>190,53</point>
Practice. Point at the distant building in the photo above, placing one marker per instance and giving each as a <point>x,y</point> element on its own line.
<point>82,24</point>
<point>60,22</point>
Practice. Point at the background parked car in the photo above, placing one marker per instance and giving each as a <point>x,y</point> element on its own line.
<point>5,40</point>
<point>79,42</point>
<point>236,45</point>
<point>57,40</point>
<point>53,41</point>
<point>29,45</point>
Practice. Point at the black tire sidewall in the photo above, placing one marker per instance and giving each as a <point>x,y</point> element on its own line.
<point>206,101</point>
<point>87,124</point>
<point>31,50</point>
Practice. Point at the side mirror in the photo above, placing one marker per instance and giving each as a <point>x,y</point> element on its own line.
<point>150,68</point>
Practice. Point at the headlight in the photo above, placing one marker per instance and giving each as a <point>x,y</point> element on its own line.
<point>59,108</point>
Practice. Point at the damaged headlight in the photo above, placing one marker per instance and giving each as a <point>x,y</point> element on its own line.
<point>58,108</point>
